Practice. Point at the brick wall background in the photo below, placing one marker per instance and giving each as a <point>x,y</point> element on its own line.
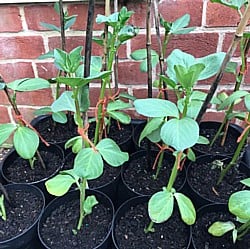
<point>23,39</point>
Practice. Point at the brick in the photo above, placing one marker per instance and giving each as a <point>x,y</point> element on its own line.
<point>3,98</point>
<point>197,44</point>
<point>81,10</point>
<point>17,70</point>
<point>221,16</point>
<point>10,19</point>
<point>138,19</point>
<point>171,10</point>
<point>21,47</point>
<point>35,98</point>
<point>227,43</point>
<point>129,73</point>
<point>46,70</point>
<point>213,116</point>
<point>35,14</point>
<point>4,117</point>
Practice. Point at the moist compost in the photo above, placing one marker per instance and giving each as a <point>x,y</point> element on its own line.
<point>22,214</point>
<point>20,171</point>
<point>202,177</point>
<point>139,177</point>
<point>202,239</point>
<point>57,230</point>
<point>129,231</point>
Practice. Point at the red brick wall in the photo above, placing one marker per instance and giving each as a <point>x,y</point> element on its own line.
<point>23,39</point>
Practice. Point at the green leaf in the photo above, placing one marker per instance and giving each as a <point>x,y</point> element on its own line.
<point>235,96</point>
<point>160,206</point>
<point>156,108</point>
<point>64,103</point>
<point>203,140</point>
<point>234,4</point>
<point>5,131</point>
<point>32,84</point>
<point>188,76</point>
<point>245,181</point>
<point>118,105</point>
<point>61,183</point>
<point>59,117</point>
<point>141,55</point>
<point>89,203</point>
<point>152,125</point>
<point>76,143</point>
<point>191,155</point>
<point>186,207</point>
<point>26,142</point>
<point>50,26</point>
<point>43,110</point>
<point>239,204</point>
<point>111,152</point>
<point>180,24</point>
<point>61,60</point>
<point>219,228</point>
<point>75,58</point>
<point>120,116</point>
<point>180,133</point>
<point>231,67</point>
<point>88,164</point>
<point>247,102</point>
<point>69,21</point>
<point>48,55</point>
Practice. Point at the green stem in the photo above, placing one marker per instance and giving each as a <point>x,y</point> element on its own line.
<point>236,154</point>
<point>174,172</point>
<point>149,227</point>
<point>159,165</point>
<point>243,229</point>
<point>82,199</point>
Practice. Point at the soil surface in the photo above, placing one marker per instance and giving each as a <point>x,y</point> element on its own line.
<point>57,230</point>
<point>203,179</point>
<point>230,143</point>
<point>20,171</point>
<point>21,214</point>
<point>202,239</point>
<point>140,178</point>
<point>129,231</point>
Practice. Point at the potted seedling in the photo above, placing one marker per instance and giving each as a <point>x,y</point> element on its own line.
<point>179,132</point>
<point>28,161</point>
<point>88,163</point>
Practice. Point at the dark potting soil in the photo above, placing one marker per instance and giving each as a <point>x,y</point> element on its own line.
<point>229,148</point>
<point>20,171</point>
<point>203,178</point>
<point>109,173</point>
<point>56,231</point>
<point>129,231</point>
<point>140,178</point>
<point>24,211</point>
<point>202,239</point>
<point>56,132</point>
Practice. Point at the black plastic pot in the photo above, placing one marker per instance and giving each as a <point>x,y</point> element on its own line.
<point>126,191</point>
<point>29,235</point>
<point>208,214</point>
<point>137,222</point>
<point>234,132</point>
<point>56,206</point>
<point>200,199</point>
<point>12,156</point>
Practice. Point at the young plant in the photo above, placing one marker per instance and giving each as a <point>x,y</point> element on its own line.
<point>119,33</point>
<point>183,72</point>
<point>179,132</point>
<point>239,205</point>
<point>89,161</point>
<point>25,137</point>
